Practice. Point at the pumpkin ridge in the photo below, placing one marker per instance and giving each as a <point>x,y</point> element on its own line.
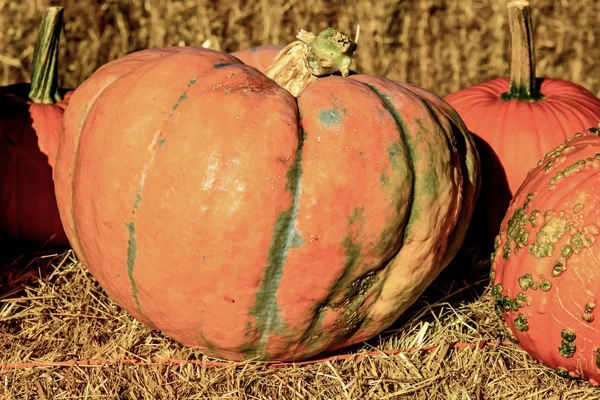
<point>132,244</point>
<point>409,147</point>
<point>265,308</point>
<point>353,254</point>
<point>157,142</point>
<point>70,215</point>
<point>457,149</point>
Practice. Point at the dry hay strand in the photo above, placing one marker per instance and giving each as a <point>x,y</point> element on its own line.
<point>61,337</point>
<point>442,45</point>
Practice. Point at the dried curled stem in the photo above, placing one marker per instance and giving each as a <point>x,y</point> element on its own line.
<point>311,56</point>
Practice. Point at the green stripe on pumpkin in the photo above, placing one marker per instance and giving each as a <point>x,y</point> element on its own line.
<point>392,152</point>
<point>131,255</point>
<point>285,237</point>
<point>157,143</point>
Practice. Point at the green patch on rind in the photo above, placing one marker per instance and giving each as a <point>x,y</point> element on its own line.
<point>265,308</point>
<point>131,255</point>
<point>330,117</point>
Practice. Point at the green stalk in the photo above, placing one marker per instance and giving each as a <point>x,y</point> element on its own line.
<point>44,76</point>
<point>523,85</point>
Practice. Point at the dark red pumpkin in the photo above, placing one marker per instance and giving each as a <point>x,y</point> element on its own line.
<point>546,265</point>
<point>516,121</point>
<point>214,205</point>
<point>30,125</point>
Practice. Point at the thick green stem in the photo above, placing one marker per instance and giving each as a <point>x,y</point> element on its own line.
<point>523,85</point>
<point>44,76</point>
<point>301,62</point>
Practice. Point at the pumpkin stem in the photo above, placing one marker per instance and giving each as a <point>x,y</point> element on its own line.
<point>44,76</point>
<point>523,85</point>
<point>301,62</point>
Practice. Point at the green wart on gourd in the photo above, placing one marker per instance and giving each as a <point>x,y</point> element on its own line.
<point>559,267</point>
<point>547,236</point>
<point>518,301</point>
<point>501,303</point>
<point>563,373</point>
<point>567,172</point>
<point>587,312</point>
<point>567,346</point>
<point>505,303</point>
<point>545,285</point>
<point>516,232</point>
<point>526,282</point>
<point>521,323</point>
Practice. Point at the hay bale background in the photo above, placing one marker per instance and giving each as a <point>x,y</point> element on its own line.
<point>449,345</point>
<point>442,45</point>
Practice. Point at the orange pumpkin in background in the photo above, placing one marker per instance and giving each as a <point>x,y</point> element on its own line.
<point>272,216</point>
<point>259,57</point>
<point>515,122</point>
<point>546,268</point>
<point>30,125</point>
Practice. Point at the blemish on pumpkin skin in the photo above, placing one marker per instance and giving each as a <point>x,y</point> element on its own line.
<point>384,180</point>
<point>183,96</point>
<point>283,160</point>
<point>330,117</point>
<point>338,104</point>
<point>181,99</point>
<point>395,154</point>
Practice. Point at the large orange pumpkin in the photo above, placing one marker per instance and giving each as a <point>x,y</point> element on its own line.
<point>516,121</point>
<point>546,268</point>
<point>30,125</point>
<point>216,206</point>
